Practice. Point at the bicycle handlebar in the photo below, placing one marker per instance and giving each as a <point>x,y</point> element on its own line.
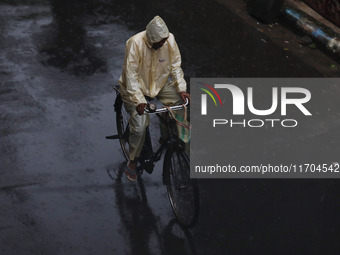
<point>163,109</point>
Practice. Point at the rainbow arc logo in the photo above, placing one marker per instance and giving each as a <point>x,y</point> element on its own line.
<point>204,97</point>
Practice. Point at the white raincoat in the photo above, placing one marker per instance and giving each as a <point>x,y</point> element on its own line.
<point>146,70</point>
<point>152,73</point>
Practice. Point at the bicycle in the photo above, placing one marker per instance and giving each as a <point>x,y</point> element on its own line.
<point>182,191</point>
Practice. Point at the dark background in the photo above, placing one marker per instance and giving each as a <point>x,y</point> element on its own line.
<point>58,63</point>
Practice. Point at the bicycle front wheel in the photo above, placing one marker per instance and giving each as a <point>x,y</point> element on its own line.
<point>122,121</point>
<point>182,191</point>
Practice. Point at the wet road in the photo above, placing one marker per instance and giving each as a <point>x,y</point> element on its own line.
<point>58,62</point>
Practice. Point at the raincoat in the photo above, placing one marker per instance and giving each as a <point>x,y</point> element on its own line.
<point>146,70</point>
<point>152,73</point>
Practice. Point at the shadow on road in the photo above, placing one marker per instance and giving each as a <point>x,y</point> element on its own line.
<point>144,231</point>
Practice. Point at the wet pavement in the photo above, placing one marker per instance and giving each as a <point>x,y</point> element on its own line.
<point>58,63</point>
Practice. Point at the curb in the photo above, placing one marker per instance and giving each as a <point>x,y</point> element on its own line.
<point>317,30</point>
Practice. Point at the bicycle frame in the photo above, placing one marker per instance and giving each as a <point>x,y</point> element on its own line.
<point>169,141</point>
<point>155,156</point>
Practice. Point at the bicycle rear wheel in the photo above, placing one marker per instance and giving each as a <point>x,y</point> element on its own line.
<point>122,121</point>
<point>182,191</point>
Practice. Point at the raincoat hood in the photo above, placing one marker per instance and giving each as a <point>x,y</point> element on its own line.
<point>156,30</point>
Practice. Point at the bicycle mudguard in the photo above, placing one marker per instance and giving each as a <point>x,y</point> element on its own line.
<point>165,177</point>
<point>118,103</point>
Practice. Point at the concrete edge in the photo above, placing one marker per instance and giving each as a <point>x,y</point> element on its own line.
<point>317,27</point>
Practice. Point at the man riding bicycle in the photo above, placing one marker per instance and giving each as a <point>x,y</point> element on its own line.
<point>152,68</point>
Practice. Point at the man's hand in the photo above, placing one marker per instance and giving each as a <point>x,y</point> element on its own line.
<point>140,108</point>
<point>184,95</point>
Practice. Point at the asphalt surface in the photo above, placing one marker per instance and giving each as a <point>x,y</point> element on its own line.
<point>58,64</point>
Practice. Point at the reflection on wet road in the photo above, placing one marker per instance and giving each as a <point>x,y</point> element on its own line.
<point>145,232</point>
<point>58,62</point>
